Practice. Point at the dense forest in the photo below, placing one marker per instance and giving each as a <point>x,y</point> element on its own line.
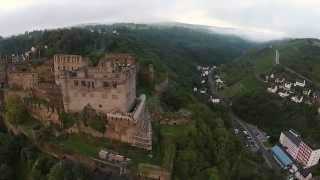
<point>174,49</point>
<point>203,149</point>
<point>21,160</point>
<point>273,114</point>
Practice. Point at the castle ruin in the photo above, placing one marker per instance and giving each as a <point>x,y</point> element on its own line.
<point>71,83</point>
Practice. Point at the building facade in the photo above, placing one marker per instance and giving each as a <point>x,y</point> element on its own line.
<point>64,62</point>
<point>298,149</point>
<point>108,87</point>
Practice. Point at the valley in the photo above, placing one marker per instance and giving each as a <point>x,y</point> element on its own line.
<point>206,112</point>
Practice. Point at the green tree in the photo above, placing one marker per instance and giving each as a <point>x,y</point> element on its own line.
<point>15,110</point>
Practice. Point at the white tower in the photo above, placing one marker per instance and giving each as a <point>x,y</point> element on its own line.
<point>277,57</point>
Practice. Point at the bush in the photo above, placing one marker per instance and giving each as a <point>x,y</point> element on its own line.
<point>15,110</point>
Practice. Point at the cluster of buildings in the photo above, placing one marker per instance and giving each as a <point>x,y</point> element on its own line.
<point>297,92</point>
<point>202,87</point>
<point>69,83</point>
<point>295,155</point>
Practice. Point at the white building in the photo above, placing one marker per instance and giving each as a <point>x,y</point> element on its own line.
<point>296,99</point>
<point>307,92</point>
<point>215,100</point>
<point>283,94</point>
<point>273,90</point>
<point>298,149</point>
<point>195,89</point>
<point>203,91</point>
<point>219,81</point>
<point>272,76</point>
<point>301,84</point>
<point>288,86</point>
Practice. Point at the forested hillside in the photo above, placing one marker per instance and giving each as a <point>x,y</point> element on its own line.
<point>252,102</point>
<point>174,49</point>
<point>202,149</point>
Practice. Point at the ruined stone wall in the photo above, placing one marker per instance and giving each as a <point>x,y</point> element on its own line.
<point>109,87</point>
<point>3,74</point>
<point>2,79</point>
<point>123,127</point>
<point>103,99</point>
<point>137,132</point>
<point>44,113</point>
<point>45,71</point>
<point>23,80</point>
<point>64,62</point>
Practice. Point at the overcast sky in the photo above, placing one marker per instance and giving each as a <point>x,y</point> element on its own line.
<point>290,18</point>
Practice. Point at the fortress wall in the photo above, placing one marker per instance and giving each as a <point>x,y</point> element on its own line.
<point>103,100</point>
<point>23,80</point>
<point>121,130</point>
<point>62,62</point>
<point>140,109</point>
<point>44,113</point>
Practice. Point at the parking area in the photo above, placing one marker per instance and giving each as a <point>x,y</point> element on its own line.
<point>245,137</point>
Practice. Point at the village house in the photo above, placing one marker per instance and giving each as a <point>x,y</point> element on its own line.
<point>296,99</point>
<point>273,90</point>
<point>214,100</point>
<point>300,84</point>
<point>283,94</point>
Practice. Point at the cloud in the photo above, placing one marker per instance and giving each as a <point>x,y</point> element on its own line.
<point>296,18</point>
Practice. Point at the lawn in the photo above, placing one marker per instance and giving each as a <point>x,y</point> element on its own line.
<point>246,85</point>
<point>90,146</point>
<point>80,144</point>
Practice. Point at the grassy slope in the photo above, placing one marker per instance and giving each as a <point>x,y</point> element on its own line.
<point>272,113</point>
<point>302,55</point>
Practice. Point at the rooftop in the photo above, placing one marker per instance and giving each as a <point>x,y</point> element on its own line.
<point>293,136</point>
<point>297,139</point>
<point>283,159</point>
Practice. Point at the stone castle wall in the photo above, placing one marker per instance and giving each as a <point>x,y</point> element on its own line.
<point>108,87</point>
<point>124,127</point>
<point>23,80</point>
<point>69,83</point>
<point>63,62</point>
<point>44,113</point>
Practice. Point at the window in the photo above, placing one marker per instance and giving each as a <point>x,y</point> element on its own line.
<point>76,83</point>
<point>100,106</point>
<point>114,84</point>
<point>105,84</point>
<point>83,83</point>
<point>92,84</point>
